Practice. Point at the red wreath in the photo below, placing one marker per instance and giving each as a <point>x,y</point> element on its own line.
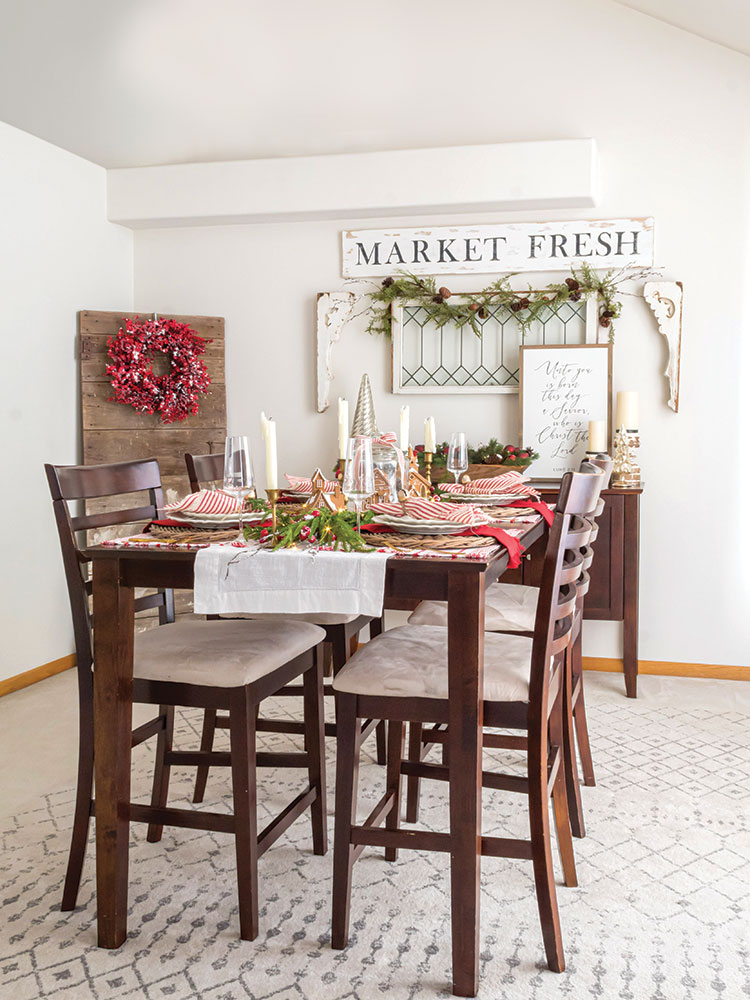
<point>174,395</point>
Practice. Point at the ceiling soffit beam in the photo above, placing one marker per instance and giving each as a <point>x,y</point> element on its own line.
<point>497,177</point>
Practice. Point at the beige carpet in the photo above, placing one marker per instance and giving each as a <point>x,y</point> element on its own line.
<point>661,912</point>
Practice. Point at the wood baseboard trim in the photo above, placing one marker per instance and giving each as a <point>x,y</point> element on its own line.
<point>28,677</point>
<point>665,668</point>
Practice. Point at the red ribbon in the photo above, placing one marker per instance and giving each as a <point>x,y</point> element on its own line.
<point>538,505</point>
<point>512,544</point>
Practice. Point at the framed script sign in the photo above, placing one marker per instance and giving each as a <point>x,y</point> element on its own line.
<point>561,389</point>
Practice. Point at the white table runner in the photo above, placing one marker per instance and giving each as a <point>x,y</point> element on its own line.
<point>252,580</point>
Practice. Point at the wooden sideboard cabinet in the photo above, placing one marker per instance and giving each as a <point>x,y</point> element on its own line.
<point>613,594</point>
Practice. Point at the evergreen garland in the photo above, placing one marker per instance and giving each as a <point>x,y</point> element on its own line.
<point>337,529</point>
<point>527,306</point>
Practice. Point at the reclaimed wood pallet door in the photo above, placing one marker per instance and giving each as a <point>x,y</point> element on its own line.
<point>112,432</point>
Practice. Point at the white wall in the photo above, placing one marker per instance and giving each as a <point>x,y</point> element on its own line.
<point>58,254</point>
<point>669,113</point>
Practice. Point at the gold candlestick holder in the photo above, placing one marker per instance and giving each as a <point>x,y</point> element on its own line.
<point>428,466</point>
<point>626,473</point>
<point>273,499</point>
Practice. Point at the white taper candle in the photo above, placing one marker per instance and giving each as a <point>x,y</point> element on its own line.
<point>403,437</point>
<point>429,434</point>
<point>343,427</point>
<point>272,464</point>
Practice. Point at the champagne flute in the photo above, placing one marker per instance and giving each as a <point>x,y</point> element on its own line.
<point>458,456</point>
<point>359,476</point>
<point>239,480</point>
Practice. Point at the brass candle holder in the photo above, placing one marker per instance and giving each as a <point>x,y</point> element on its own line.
<point>428,466</point>
<point>273,499</point>
<point>626,473</point>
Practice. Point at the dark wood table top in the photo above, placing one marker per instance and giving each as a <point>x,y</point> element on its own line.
<point>406,576</point>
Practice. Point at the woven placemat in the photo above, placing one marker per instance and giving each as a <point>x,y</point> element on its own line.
<point>178,533</point>
<point>438,542</point>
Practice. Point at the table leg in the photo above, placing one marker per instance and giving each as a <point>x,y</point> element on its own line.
<point>466,682</point>
<point>630,595</point>
<point>113,723</point>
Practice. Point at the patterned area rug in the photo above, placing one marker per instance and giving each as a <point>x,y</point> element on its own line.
<point>661,912</point>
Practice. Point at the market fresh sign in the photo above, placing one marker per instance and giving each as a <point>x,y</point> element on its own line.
<point>515,246</point>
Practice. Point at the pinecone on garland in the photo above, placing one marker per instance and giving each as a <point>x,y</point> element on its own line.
<point>572,284</point>
<point>605,321</point>
<point>524,303</point>
<point>608,314</point>
<point>438,299</point>
<point>482,313</point>
<point>387,282</point>
<point>473,307</point>
<point>516,306</point>
<point>575,296</point>
<point>445,293</point>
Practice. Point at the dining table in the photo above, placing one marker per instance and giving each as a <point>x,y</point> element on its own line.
<point>459,580</point>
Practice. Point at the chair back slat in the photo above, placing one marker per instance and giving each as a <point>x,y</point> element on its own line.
<point>85,482</point>
<point>109,518</point>
<point>204,469</point>
<point>73,483</point>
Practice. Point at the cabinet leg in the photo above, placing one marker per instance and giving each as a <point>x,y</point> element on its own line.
<point>630,594</point>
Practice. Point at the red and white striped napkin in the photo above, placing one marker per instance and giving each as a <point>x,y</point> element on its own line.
<point>510,482</point>
<point>432,510</point>
<point>305,485</point>
<point>214,503</point>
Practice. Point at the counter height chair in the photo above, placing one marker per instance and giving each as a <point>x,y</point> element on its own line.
<point>403,675</point>
<point>511,608</point>
<point>211,665</point>
<point>342,632</point>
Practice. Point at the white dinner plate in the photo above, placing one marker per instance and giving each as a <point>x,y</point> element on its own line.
<point>484,499</point>
<point>446,528</point>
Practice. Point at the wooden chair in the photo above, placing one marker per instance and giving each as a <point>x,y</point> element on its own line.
<point>523,690</point>
<point>511,608</point>
<point>342,632</point>
<point>210,665</point>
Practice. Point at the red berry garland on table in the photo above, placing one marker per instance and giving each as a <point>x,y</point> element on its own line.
<point>174,395</point>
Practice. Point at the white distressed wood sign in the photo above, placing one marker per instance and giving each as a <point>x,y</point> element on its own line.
<point>514,246</point>
<point>561,390</point>
<point>665,301</point>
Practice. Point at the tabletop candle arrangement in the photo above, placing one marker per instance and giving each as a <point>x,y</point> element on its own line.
<point>626,472</point>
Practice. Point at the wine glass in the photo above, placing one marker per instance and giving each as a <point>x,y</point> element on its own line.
<point>239,480</point>
<point>359,477</point>
<point>458,456</point>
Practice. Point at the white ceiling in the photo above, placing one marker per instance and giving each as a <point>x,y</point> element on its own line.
<point>724,21</point>
<point>140,82</point>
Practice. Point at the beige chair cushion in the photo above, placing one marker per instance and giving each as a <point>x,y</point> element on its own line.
<point>412,662</point>
<point>315,617</point>
<point>508,607</point>
<point>220,653</point>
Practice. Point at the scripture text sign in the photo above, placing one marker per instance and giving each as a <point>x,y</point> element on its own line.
<point>515,246</point>
<point>562,388</point>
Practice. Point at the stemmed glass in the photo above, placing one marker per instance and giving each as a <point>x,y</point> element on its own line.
<point>359,476</point>
<point>458,456</point>
<point>239,480</point>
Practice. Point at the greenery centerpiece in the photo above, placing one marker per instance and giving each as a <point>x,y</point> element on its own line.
<point>334,529</point>
<point>508,455</point>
